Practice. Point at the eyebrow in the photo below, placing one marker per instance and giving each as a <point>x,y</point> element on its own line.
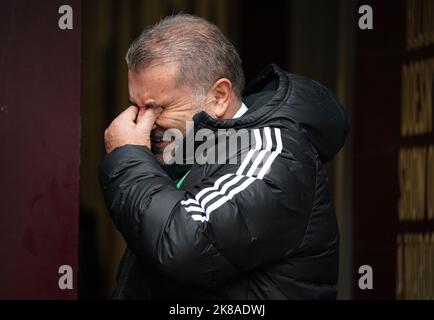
<point>151,104</point>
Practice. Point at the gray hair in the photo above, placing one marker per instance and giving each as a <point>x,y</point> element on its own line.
<point>203,54</point>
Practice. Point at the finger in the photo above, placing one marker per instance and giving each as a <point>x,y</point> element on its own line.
<point>147,117</point>
<point>129,113</point>
<point>140,114</point>
<point>142,111</point>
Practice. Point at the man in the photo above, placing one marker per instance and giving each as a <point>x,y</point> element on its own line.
<point>260,227</point>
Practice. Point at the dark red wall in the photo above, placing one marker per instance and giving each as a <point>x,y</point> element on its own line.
<point>381,54</point>
<point>376,136</point>
<point>40,148</point>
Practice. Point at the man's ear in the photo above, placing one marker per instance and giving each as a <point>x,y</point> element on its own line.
<point>221,93</point>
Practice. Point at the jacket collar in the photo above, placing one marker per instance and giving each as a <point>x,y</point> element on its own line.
<point>275,80</point>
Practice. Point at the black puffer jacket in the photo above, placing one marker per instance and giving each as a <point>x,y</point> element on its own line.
<point>264,228</point>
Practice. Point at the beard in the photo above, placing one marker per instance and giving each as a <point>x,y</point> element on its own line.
<point>156,138</point>
<point>164,150</point>
<point>158,153</point>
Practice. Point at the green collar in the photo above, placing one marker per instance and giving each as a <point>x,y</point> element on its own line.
<point>179,183</point>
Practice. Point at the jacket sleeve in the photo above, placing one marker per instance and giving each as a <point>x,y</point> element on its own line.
<point>238,219</point>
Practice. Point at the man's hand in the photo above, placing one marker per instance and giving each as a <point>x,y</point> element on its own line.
<point>132,126</point>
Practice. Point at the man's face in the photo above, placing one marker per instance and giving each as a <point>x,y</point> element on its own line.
<point>156,86</point>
